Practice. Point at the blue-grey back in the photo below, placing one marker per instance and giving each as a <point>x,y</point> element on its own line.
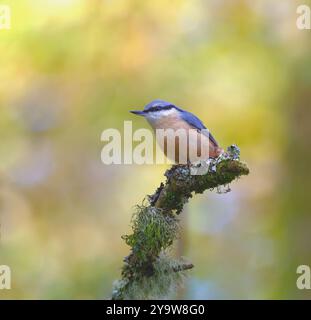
<point>196,123</point>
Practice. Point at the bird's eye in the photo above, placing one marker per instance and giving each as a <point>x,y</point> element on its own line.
<point>154,109</point>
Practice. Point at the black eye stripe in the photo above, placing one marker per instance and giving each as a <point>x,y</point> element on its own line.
<point>153,109</point>
<point>167,107</point>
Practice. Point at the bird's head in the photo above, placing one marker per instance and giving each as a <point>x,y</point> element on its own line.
<point>156,110</point>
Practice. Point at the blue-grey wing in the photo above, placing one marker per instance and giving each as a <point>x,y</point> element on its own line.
<point>197,124</point>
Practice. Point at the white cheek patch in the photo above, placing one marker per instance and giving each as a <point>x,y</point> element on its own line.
<point>155,116</point>
<point>169,112</point>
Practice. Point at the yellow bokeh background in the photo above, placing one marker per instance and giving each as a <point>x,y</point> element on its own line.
<point>73,68</point>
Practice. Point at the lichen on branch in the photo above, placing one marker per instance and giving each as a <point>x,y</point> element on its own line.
<point>148,272</point>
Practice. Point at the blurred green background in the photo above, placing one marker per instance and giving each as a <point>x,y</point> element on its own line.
<point>73,68</point>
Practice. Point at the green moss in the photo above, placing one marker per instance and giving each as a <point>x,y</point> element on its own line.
<point>173,201</point>
<point>147,272</point>
<point>153,231</point>
<point>181,184</point>
<point>160,285</point>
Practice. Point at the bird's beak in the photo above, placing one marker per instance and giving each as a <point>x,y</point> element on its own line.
<point>139,113</point>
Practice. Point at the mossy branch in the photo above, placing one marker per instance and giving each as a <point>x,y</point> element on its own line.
<point>148,272</point>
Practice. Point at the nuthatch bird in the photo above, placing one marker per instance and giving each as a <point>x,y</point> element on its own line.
<point>164,115</point>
